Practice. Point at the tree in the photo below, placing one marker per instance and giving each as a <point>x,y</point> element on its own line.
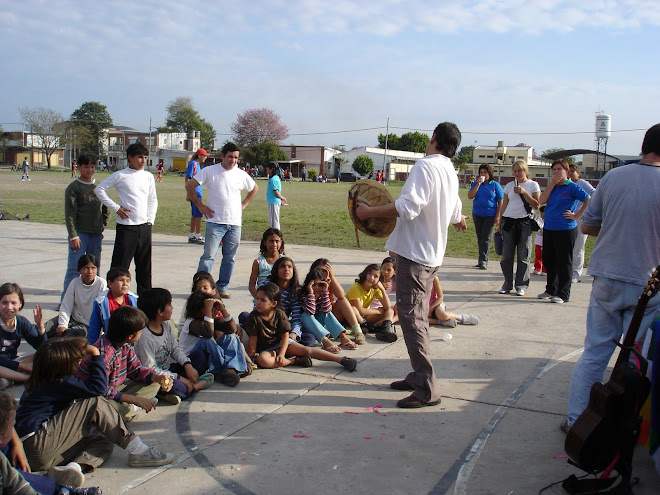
<point>363,165</point>
<point>414,141</point>
<point>463,157</point>
<point>3,143</point>
<point>182,117</point>
<point>47,129</point>
<point>257,126</point>
<point>91,121</point>
<point>262,153</point>
<point>392,141</point>
<point>568,158</point>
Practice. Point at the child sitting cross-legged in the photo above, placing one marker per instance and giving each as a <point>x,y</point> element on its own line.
<point>132,388</point>
<point>15,474</point>
<point>210,342</point>
<point>117,295</point>
<point>158,348</point>
<point>63,418</point>
<point>269,327</point>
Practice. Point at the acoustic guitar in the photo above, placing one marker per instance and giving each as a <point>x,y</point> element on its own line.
<point>609,427</point>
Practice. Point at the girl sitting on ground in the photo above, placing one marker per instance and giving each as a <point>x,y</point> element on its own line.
<point>345,313</point>
<point>366,288</point>
<point>317,314</point>
<point>271,248</point>
<point>387,274</point>
<point>13,329</point>
<point>211,342</point>
<point>270,345</point>
<point>438,314</point>
<point>63,418</point>
<point>78,300</point>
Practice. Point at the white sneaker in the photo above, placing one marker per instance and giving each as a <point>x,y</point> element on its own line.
<point>520,292</point>
<point>70,475</point>
<point>545,295</point>
<point>557,300</point>
<point>468,320</point>
<point>504,291</point>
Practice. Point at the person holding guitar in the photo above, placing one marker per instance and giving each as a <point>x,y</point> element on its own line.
<point>625,215</point>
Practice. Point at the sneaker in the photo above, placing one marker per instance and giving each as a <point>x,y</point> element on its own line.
<point>227,378</point>
<point>469,320</point>
<point>520,292</point>
<point>575,280</point>
<point>545,295</point>
<point>172,399</point>
<point>199,240</point>
<point>224,294</point>
<point>536,272</point>
<point>483,267</point>
<point>557,300</point>
<point>304,361</point>
<point>564,426</point>
<point>349,363</point>
<point>70,475</point>
<point>360,339</point>
<point>450,323</point>
<point>70,490</point>
<point>385,332</point>
<point>504,291</point>
<point>192,240</point>
<point>152,458</point>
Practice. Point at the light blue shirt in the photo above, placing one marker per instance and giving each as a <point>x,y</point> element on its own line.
<point>274,184</point>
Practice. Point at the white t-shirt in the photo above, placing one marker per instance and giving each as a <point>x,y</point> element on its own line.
<point>223,192</point>
<point>428,203</point>
<point>516,208</point>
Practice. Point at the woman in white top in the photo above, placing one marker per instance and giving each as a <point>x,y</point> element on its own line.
<point>514,224</point>
<point>581,240</point>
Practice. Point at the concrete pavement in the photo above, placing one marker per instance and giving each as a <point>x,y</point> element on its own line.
<point>325,430</point>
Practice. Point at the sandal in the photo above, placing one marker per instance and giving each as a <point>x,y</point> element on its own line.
<point>332,348</point>
<point>250,367</point>
<point>349,345</point>
<point>208,378</point>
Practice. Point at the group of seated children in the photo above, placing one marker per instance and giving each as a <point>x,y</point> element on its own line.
<point>80,392</point>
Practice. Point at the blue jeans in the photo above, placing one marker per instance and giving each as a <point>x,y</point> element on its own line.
<point>317,324</point>
<point>89,244</point>
<point>611,308</point>
<point>216,356</point>
<point>230,235</point>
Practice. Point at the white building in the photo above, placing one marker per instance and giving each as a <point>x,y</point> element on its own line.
<point>319,158</point>
<point>396,164</point>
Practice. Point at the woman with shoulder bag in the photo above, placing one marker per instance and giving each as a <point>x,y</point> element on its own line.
<point>514,224</point>
<point>561,198</point>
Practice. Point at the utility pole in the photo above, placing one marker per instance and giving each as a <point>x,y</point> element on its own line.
<point>387,135</point>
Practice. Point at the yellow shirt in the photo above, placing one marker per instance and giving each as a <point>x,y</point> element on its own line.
<point>365,297</point>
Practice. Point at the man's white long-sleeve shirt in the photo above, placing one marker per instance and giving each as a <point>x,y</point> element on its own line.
<point>137,192</point>
<point>428,204</point>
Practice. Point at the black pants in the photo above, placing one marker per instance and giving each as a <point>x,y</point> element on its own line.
<point>134,242</point>
<point>483,226</point>
<point>558,261</point>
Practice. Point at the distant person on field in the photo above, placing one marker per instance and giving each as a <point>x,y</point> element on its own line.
<point>136,214</point>
<point>274,195</point>
<point>224,213</point>
<point>194,167</point>
<point>26,167</point>
<point>85,218</point>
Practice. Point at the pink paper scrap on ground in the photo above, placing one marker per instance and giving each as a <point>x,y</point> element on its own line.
<point>301,436</point>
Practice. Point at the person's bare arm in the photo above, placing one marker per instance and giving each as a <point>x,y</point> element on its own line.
<point>250,196</point>
<point>589,230</point>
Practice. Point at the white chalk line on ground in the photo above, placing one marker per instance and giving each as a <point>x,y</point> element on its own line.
<point>460,488</point>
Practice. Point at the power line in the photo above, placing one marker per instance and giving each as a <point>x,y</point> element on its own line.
<point>535,133</point>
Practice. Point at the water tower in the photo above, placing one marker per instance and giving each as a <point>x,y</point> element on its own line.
<point>603,132</point>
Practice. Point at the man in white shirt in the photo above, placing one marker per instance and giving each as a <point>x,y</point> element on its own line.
<point>224,213</point>
<point>429,202</point>
<point>135,216</point>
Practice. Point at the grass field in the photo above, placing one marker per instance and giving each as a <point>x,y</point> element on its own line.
<point>317,214</point>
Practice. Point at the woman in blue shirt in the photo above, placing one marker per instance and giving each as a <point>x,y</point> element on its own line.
<point>561,198</point>
<point>488,196</point>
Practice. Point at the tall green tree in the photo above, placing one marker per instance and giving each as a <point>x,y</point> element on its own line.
<point>363,165</point>
<point>263,153</point>
<point>414,141</point>
<point>182,117</point>
<point>463,157</point>
<point>90,123</point>
<point>392,141</point>
<point>47,129</point>
<point>4,140</point>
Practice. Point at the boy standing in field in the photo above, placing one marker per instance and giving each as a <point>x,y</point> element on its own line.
<point>135,216</point>
<point>85,219</point>
<point>194,167</point>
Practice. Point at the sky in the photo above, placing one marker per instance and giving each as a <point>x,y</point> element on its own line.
<point>518,71</point>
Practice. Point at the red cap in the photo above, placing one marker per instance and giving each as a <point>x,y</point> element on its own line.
<point>202,152</point>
